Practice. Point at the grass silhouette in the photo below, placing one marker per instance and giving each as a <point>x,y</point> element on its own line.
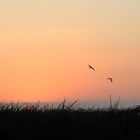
<point>67,121</point>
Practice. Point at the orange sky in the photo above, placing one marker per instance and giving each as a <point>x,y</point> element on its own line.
<point>46,46</point>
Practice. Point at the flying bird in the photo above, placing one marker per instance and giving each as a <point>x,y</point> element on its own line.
<point>111,80</point>
<point>90,67</point>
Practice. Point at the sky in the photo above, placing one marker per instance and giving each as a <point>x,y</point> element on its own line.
<point>46,46</point>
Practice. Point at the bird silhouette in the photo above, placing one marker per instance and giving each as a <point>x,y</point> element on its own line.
<point>90,67</point>
<point>111,80</point>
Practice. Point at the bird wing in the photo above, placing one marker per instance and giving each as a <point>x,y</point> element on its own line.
<point>91,67</point>
<point>110,79</point>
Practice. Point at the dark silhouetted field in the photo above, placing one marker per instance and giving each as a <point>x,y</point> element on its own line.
<point>26,122</point>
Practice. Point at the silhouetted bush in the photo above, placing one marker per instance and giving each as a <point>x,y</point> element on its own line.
<point>26,122</point>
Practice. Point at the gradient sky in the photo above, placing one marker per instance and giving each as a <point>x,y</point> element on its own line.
<point>46,46</point>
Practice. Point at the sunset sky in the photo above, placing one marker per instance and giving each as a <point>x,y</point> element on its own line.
<point>46,46</point>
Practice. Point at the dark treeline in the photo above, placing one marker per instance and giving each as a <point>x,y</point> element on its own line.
<point>23,122</point>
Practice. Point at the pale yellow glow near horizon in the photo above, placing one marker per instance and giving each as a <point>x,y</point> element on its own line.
<point>46,46</point>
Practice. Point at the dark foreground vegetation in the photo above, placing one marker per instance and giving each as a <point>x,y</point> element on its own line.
<point>26,122</point>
